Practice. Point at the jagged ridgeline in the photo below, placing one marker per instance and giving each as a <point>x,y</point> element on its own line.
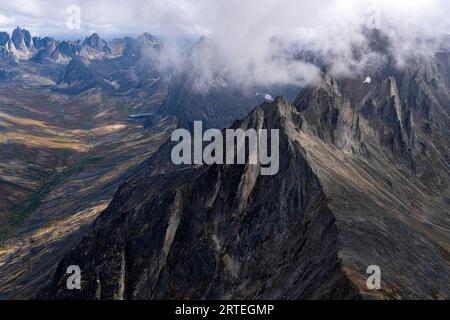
<point>363,176</point>
<point>363,180</point>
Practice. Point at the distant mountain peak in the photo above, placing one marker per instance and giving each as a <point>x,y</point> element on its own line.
<point>93,40</point>
<point>149,37</point>
<point>94,47</point>
<point>21,39</point>
<point>4,38</point>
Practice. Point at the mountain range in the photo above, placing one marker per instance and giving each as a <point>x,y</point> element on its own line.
<point>364,176</point>
<point>363,180</point>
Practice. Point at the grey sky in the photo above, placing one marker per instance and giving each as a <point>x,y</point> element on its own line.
<point>111,17</point>
<point>243,30</point>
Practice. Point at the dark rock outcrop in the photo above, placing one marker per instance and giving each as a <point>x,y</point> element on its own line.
<point>363,181</point>
<point>4,38</point>
<point>21,39</point>
<point>216,232</point>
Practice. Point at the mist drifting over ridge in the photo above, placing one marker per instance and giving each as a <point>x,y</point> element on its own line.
<point>252,42</point>
<point>226,150</point>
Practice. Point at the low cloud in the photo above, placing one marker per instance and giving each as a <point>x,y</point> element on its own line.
<point>254,39</point>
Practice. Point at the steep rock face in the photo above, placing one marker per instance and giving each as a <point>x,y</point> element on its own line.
<point>363,180</point>
<point>131,64</point>
<point>67,48</point>
<point>77,77</point>
<point>54,51</point>
<point>40,43</point>
<point>4,54</point>
<point>45,46</point>
<point>21,44</point>
<point>385,169</point>
<point>403,112</point>
<point>21,39</point>
<point>4,38</point>
<point>21,47</point>
<point>216,232</point>
<point>94,47</point>
<point>324,109</point>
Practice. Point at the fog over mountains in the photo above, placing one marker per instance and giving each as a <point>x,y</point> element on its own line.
<point>199,78</point>
<point>329,27</point>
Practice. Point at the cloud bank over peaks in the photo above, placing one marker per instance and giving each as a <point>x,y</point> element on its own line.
<point>256,41</point>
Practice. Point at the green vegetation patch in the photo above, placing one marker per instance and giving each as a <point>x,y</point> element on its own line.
<point>21,211</point>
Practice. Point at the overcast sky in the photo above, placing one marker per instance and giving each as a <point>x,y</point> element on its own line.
<point>243,30</point>
<point>116,17</point>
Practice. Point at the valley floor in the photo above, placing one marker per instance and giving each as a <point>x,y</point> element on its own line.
<point>61,160</point>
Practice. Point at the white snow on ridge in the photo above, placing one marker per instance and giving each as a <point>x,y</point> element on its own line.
<point>267,96</point>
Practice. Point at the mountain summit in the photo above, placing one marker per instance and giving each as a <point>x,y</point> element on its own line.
<point>363,181</point>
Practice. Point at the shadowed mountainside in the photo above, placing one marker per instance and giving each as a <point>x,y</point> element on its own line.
<point>363,180</point>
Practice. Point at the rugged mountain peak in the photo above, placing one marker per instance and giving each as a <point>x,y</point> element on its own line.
<point>393,111</point>
<point>95,47</point>
<point>145,49</point>
<point>322,107</point>
<point>344,198</point>
<point>204,50</point>
<point>40,43</point>
<point>93,41</point>
<point>4,38</point>
<point>224,215</point>
<point>22,39</point>
<point>277,114</point>
<point>21,45</point>
<point>319,96</point>
<point>148,39</point>
<point>51,50</point>
<point>121,66</point>
<point>4,57</point>
<point>65,50</point>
